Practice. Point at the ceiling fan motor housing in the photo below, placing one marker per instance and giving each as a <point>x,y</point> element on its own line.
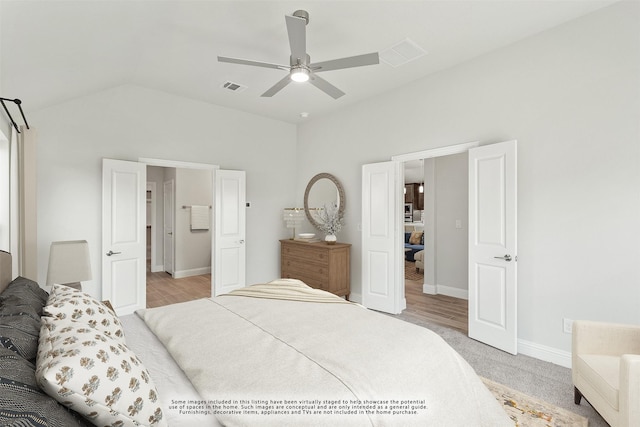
<point>300,62</point>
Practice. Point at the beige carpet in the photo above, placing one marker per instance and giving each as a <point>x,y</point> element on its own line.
<point>527,411</point>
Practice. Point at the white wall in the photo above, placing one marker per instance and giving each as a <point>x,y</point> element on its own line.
<point>570,96</point>
<point>4,120</point>
<point>192,248</point>
<point>129,122</point>
<point>452,244</point>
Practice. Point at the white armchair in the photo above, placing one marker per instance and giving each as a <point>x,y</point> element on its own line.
<point>419,257</point>
<point>606,370</point>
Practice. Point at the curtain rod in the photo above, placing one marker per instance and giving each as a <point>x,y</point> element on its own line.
<point>18,103</point>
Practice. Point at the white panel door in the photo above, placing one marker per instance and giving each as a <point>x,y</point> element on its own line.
<point>228,251</point>
<point>123,234</point>
<point>168,226</point>
<point>493,245</point>
<point>382,267</point>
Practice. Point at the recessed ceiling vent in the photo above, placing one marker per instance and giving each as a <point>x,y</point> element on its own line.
<point>401,53</point>
<point>233,87</point>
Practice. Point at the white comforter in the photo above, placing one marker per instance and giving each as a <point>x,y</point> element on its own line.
<point>306,354</point>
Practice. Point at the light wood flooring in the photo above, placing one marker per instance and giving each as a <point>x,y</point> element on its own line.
<point>162,289</point>
<point>441,309</point>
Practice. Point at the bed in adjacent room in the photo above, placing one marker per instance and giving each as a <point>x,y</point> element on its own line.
<point>269,355</point>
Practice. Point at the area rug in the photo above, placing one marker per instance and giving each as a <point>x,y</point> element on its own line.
<point>410,271</point>
<point>527,411</point>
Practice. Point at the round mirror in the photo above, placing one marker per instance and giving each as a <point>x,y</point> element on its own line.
<point>323,189</point>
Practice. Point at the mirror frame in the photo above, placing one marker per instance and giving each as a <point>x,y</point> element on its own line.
<point>343,200</point>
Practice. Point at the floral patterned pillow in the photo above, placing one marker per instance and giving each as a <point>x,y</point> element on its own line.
<point>65,303</point>
<point>95,375</point>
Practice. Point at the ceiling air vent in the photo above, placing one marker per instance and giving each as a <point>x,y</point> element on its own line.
<point>233,87</point>
<point>402,52</point>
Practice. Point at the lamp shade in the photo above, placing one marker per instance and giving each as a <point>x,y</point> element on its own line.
<point>69,262</point>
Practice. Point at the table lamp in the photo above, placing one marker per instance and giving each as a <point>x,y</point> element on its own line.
<point>69,263</point>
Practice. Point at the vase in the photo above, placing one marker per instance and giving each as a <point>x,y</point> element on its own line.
<point>330,239</point>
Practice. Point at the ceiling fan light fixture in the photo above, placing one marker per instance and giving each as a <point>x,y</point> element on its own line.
<point>299,74</point>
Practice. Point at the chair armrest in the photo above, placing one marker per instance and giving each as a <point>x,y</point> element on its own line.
<point>605,338</point>
<point>630,390</point>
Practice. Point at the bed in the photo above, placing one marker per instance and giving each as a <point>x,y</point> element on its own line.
<point>272,354</point>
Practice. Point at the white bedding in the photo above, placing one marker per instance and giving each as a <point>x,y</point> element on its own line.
<point>171,382</point>
<point>238,348</point>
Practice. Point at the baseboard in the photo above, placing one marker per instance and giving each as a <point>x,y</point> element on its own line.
<point>192,272</point>
<point>542,352</point>
<point>157,268</point>
<point>445,290</point>
<point>355,297</point>
<point>429,289</point>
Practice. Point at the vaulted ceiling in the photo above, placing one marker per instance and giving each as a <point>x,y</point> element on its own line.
<point>54,51</point>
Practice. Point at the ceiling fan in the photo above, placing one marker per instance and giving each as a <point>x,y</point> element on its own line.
<point>300,67</point>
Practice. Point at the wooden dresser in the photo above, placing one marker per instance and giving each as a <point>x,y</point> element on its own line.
<point>319,265</point>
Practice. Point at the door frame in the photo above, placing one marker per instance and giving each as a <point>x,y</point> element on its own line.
<point>439,152</point>
<point>169,189</point>
<point>148,161</point>
<point>151,186</point>
<point>431,288</point>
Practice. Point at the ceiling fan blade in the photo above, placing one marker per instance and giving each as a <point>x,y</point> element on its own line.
<point>349,62</point>
<point>326,87</point>
<point>277,87</point>
<point>297,37</point>
<point>254,63</point>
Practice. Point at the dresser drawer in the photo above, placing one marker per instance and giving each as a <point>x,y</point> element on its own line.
<point>309,253</point>
<point>304,268</point>
<point>319,265</point>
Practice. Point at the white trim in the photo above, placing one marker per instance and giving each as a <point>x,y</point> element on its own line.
<point>191,272</point>
<point>429,289</point>
<point>151,186</point>
<point>543,352</point>
<point>437,152</point>
<point>157,268</point>
<point>176,164</point>
<point>355,297</point>
<point>452,291</point>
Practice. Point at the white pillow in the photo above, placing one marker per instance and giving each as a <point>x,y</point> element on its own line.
<point>95,375</point>
<point>65,303</point>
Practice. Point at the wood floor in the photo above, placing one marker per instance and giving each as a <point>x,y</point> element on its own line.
<point>162,289</point>
<point>441,309</point>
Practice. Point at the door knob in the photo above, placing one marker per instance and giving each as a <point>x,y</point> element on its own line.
<point>113,253</point>
<point>170,233</point>
<point>506,257</point>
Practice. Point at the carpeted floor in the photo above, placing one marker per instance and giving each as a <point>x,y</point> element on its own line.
<point>534,377</point>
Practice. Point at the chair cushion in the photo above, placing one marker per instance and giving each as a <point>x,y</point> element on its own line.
<point>419,256</point>
<point>603,373</point>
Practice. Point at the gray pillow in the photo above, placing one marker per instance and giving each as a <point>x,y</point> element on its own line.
<point>28,291</point>
<point>22,403</point>
<point>20,310</point>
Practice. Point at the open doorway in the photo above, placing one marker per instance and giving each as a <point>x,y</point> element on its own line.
<point>178,250</point>
<point>436,239</point>
<point>491,232</point>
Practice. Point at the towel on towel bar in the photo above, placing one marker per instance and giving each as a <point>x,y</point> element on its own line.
<point>199,218</point>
